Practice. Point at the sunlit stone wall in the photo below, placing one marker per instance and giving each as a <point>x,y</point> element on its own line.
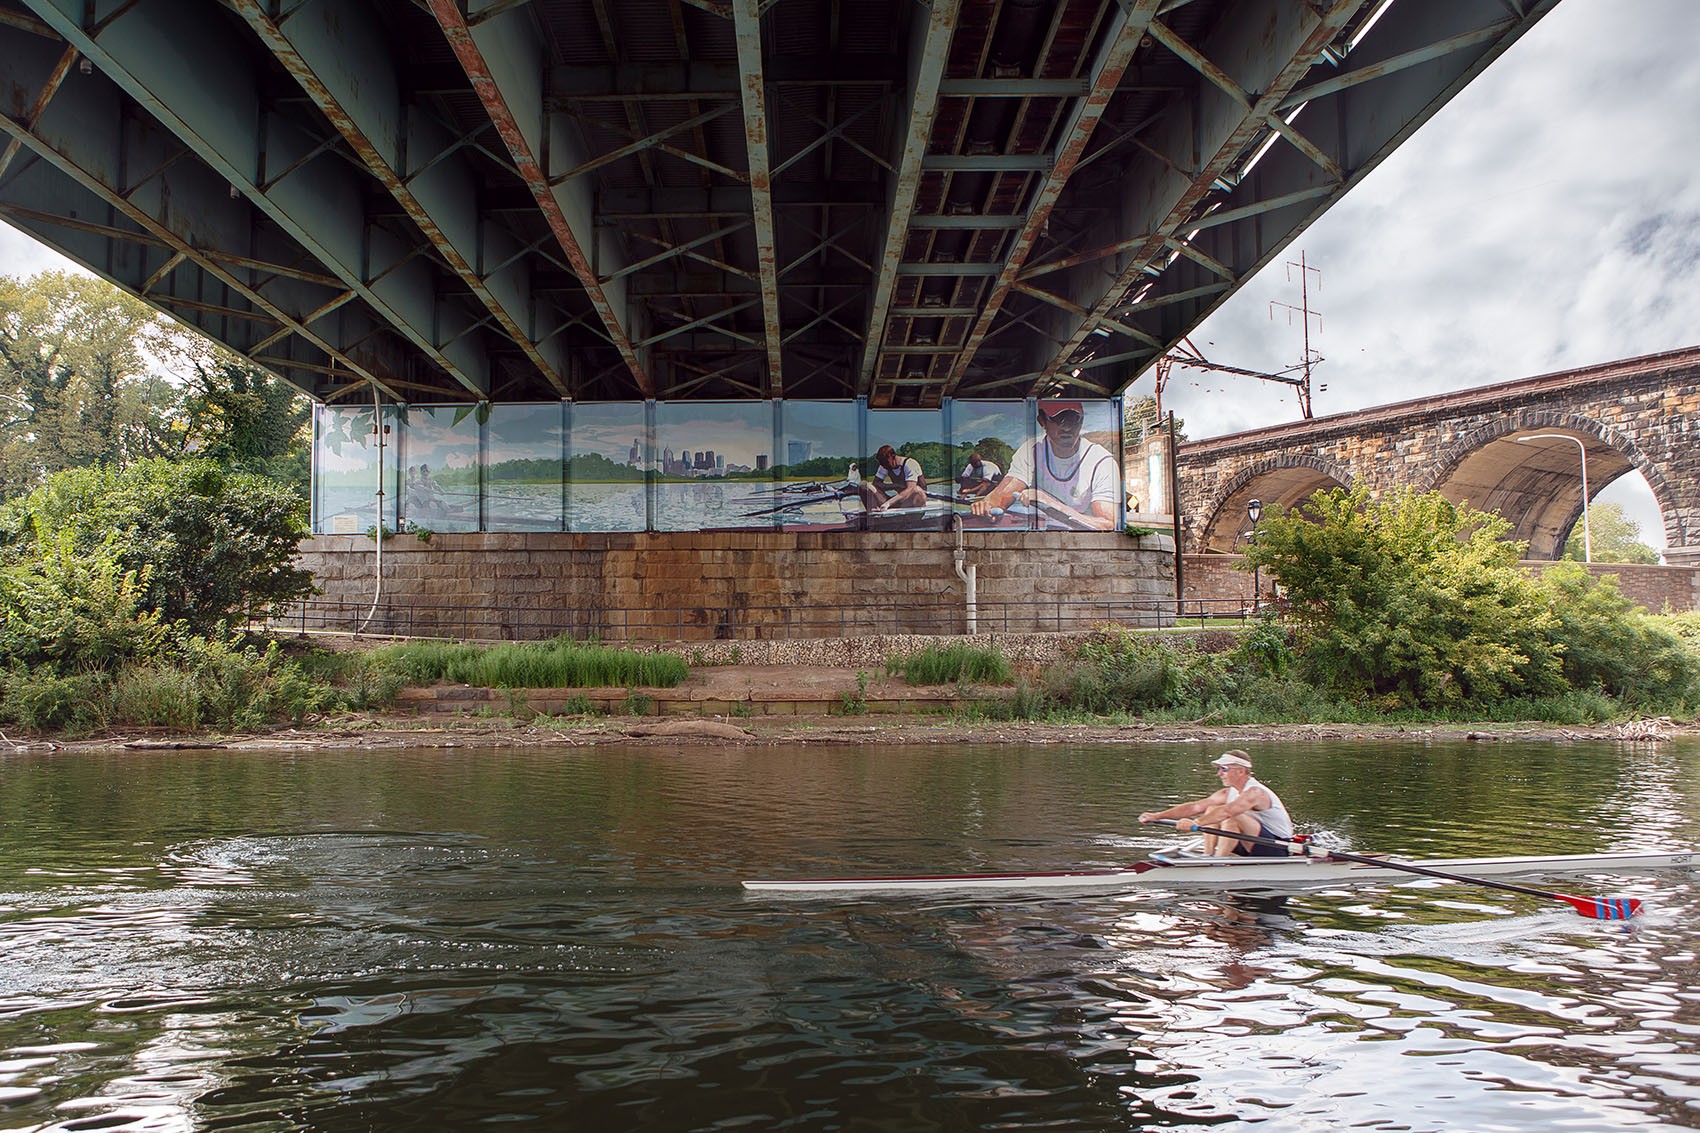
<point>705,585</point>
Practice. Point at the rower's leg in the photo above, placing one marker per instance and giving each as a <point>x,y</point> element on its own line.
<point>1239,824</point>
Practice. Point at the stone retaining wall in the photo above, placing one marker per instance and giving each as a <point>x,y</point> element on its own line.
<point>737,585</point>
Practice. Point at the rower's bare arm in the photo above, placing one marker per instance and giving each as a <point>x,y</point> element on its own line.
<point>999,497</point>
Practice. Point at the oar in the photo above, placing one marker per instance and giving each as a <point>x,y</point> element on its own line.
<point>1600,908</point>
<point>789,504</point>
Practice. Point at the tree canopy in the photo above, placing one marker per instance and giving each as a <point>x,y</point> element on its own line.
<point>1616,538</point>
<point>91,377</point>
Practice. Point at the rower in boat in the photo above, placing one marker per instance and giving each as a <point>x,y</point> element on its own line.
<point>1242,805</point>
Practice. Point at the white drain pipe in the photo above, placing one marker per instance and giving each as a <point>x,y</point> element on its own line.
<point>378,554</point>
<point>969,575</point>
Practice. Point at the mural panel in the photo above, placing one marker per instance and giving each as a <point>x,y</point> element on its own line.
<point>709,466</point>
<point>346,453</point>
<point>440,466</point>
<point>985,436</point>
<point>524,474</point>
<point>1069,476</point>
<point>714,464</point>
<point>609,457</point>
<point>818,487</point>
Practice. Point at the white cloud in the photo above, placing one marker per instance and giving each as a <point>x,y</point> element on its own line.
<point>1547,218</point>
<point>21,256</point>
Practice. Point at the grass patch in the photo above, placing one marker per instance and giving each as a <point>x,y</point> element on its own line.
<point>552,664</point>
<point>952,664</point>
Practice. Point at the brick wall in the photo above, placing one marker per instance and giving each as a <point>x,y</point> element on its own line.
<point>707,585</point>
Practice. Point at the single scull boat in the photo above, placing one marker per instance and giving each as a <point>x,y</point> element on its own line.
<point>1185,868</point>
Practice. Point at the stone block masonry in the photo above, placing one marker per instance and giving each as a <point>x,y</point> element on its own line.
<point>709,585</point>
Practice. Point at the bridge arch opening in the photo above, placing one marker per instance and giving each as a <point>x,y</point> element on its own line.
<point>1278,483</point>
<point>1531,472</point>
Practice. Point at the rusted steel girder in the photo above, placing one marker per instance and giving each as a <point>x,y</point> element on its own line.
<point>1129,25</point>
<point>514,100</point>
<point>746,23</point>
<point>1240,123</point>
<point>87,153</point>
<point>317,46</point>
<point>190,75</point>
<point>929,53</point>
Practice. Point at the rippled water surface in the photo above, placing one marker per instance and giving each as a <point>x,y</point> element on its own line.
<point>443,939</point>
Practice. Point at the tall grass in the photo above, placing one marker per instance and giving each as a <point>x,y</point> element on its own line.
<point>942,665</point>
<point>552,664</point>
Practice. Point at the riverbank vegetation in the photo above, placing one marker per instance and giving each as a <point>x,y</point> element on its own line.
<point>1404,608</point>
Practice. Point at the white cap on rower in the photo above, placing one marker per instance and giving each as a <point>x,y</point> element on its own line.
<point>1231,759</point>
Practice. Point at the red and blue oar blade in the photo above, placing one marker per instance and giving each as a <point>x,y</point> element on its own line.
<point>1602,908</point>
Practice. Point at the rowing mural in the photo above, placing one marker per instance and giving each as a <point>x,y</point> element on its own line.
<point>1015,465</point>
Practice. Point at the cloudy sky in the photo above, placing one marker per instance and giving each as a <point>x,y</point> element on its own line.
<point>1548,217</point>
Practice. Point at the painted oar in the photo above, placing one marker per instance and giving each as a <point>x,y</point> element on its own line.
<point>790,504</point>
<point>1600,908</point>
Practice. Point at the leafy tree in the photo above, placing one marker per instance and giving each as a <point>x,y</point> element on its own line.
<point>77,391</point>
<point>207,543</point>
<point>1616,537</point>
<point>1411,599</point>
<point>75,608</point>
<point>244,418</point>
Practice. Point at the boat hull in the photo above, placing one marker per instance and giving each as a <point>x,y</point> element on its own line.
<point>1173,869</point>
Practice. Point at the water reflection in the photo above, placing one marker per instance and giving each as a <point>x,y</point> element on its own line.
<point>385,940</point>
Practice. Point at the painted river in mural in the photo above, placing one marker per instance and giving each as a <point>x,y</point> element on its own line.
<point>443,939</point>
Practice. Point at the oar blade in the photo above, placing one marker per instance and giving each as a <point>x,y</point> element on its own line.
<point>1603,908</point>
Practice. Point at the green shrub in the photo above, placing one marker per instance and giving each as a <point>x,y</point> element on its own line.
<point>205,543</point>
<point>1410,598</point>
<point>1116,671</point>
<point>156,696</point>
<point>1610,645</point>
<point>75,608</point>
<point>42,700</point>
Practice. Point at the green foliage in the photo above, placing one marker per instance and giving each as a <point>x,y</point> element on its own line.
<point>245,419</point>
<point>1116,671</point>
<point>41,699</point>
<point>74,358</point>
<point>204,542</point>
<point>855,703</point>
<point>555,664</point>
<point>1615,537</point>
<point>74,609</point>
<point>939,665</point>
<point>220,681</point>
<point>1610,645</point>
<point>1410,600</point>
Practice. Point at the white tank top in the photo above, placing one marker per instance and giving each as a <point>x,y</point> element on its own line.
<point>1275,820</point>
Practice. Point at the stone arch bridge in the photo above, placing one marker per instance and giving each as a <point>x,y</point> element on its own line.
<point>1640,414</point>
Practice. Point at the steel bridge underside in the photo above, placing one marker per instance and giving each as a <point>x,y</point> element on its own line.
<point>515,200</point>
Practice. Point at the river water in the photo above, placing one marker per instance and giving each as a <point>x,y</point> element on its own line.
<point>356,940</point>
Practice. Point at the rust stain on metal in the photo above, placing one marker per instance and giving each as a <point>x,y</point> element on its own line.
<point>455,28</point>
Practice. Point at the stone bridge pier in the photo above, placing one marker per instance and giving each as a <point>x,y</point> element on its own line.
<point>1482,446</point>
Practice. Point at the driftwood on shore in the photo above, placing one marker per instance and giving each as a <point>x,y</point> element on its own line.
<point>715,728</point>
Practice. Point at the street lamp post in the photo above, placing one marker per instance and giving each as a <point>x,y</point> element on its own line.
<point>1254,511</point>
<point>1587,538</point>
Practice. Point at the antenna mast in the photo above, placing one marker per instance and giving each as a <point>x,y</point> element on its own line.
<point>1304,312</point>
<point>1298,375</point>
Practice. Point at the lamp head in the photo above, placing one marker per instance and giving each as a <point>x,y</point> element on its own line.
<point>1254,510</point>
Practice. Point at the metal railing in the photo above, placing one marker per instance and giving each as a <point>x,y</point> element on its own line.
<point>510,622</point>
